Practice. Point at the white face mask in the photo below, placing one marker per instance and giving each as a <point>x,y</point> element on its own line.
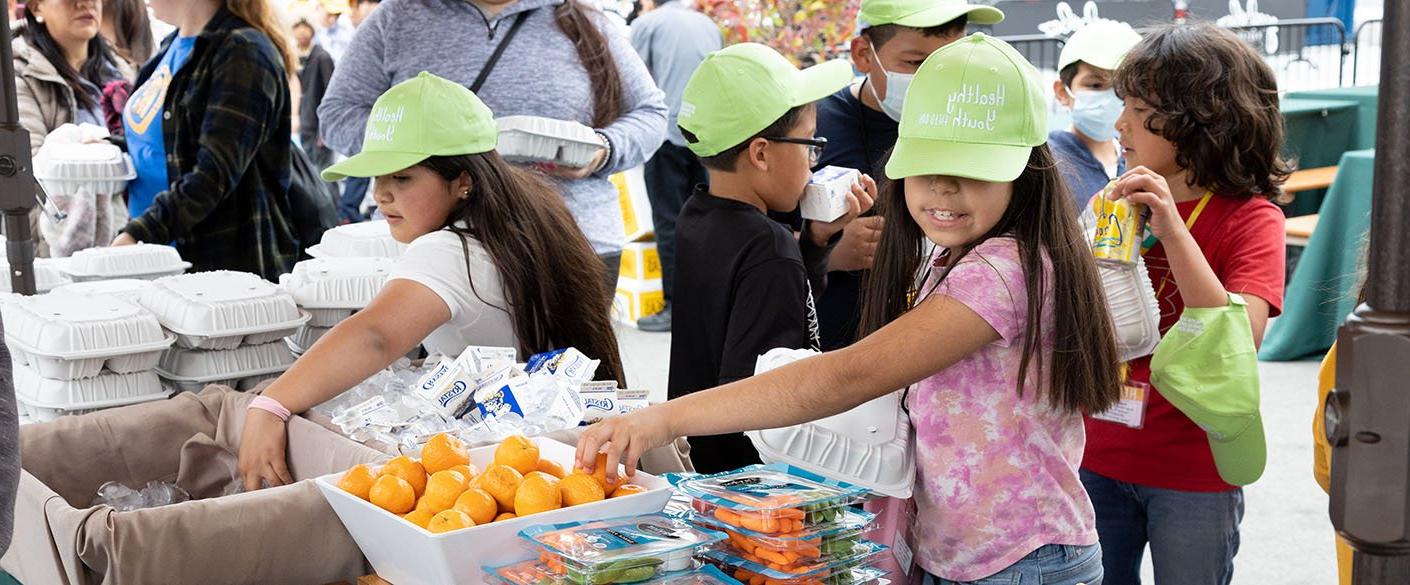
<point>896,84</point>
<point>1094,113</point>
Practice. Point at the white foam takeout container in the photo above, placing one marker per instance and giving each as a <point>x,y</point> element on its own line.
<point>140,261</point>
<point>67,169</point>
<point>72,336</point>
<point>193,369</point>
<point>332,289</point>
<point>1135,314</point>
<point>128,289</point>
<point>305,337</point>
<point>402,552</point>
<point>44,399</point>
<point>222,309</point>
<point>868,446</point>
<point>358,240</point>
<point>47,275</point>
<point>538,139</point>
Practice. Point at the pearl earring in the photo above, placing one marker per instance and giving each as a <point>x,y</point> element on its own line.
<point>39,19</point>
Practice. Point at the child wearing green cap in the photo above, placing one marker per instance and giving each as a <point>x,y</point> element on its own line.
<point>494,259</point>
<point>859,121</point>
<point>1088,153</point>
<point>745,283</point>
<point>1003,342</point>
<point>1203,136</point>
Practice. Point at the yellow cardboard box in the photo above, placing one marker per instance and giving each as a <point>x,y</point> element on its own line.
<point>636,299</point>
<point>636,207</point>
<point>640,261</point>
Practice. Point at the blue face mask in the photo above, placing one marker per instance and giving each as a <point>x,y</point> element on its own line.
<point>1094,113</point>
<point>896,85</point>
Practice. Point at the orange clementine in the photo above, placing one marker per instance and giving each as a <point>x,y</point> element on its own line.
<point>448,520</point>
<point>478,504</point>
<point>443,452</point>
<point>419,517</point>
<point>599,471</point>
<point>628,489</point>
<point>469,471</point>
<point>442,490</point>
<point>393,494</point>
<point>501,482</point>
<point>551,468</point>
<point>518,452</point>
<point>409,470</point>
<point>358,481</point>
<point>505,516</point>
<point>580,488</point>
<point>538,493</point>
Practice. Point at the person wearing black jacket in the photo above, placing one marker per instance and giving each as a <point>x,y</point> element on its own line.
<point>315,70</point>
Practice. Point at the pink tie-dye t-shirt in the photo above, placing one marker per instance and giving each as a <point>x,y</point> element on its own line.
<point>996,473</point>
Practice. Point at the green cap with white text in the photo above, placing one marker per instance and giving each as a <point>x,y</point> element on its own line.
<point>923,13</point>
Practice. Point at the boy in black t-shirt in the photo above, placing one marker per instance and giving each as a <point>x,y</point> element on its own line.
<point>744,283</point>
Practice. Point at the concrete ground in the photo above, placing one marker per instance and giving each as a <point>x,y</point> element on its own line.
<point>1286,536</point>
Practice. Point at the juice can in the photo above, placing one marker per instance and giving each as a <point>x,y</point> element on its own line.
<point>1121,227</point>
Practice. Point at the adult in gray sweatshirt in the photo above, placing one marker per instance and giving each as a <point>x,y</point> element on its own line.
<point>542,72</point>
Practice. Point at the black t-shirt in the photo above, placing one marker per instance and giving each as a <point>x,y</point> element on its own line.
<point>857,137</point>
<point>743,286</point>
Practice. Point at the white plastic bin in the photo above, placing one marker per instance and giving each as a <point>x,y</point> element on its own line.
<point>538,139</point>
<point>141,261</point>
<point>402,552</point>
<point>223,309</point>
<point>71,336</point>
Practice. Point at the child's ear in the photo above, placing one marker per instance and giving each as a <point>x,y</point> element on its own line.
<point>757,153</point>
<point>1061,94</point>
<point>862,53</point>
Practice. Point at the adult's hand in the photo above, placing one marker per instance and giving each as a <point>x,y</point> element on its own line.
<point>123,239</point>
<point>857,249</point>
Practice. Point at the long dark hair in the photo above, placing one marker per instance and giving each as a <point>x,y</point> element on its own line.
<point>576,21</point>
<point>1083,369</point>
<point>551,277</point>
<point>132,29</point>
<point>95,69</point>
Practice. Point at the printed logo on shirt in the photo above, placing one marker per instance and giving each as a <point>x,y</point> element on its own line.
<point>146,103</point>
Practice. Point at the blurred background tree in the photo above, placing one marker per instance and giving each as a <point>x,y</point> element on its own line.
<point>807,31</point>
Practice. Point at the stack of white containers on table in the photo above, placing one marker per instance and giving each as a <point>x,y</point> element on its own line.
<point>84,179</point>
<point>138,261</point>
<point>330,290</point>
<point>230,328</point>
<point>48,275</point>
<point>368,239</point>
<point>75,353</point>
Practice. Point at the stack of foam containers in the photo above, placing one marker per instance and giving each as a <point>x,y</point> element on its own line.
<point>534,139</point>
<point>138,261</point>
<point>74,353</point>
<point>367,239</point>
<point>48,275</point>
<point>332,289</point>
<point>229,326</point>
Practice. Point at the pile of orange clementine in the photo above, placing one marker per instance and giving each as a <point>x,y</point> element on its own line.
<point>444,491</point>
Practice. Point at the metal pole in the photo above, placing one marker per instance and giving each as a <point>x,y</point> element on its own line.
<point>1368,414</point>
<point>17,186</point>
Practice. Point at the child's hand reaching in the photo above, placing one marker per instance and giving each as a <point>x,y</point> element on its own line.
<point>859,201</point>
<point>1147,187</point>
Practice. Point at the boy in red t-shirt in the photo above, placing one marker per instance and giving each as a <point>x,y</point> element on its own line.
<point>1202,135</point>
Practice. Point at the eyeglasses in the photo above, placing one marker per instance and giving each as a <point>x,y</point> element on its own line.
<point>815,145</point>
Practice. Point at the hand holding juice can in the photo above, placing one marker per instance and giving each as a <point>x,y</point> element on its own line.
<point>1121,226</point>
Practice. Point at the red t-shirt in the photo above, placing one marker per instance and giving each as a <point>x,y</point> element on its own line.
<point>1243,240</point>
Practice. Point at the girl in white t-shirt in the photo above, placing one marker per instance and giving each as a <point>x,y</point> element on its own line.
<point>495,258</point>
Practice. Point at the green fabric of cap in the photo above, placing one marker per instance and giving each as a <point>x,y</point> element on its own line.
<point>1207,367</point>
<point>923,13</point>
<point>742,89</point>
<point>416,119</point>
<point>1101,44</point>
<point>975,109</point>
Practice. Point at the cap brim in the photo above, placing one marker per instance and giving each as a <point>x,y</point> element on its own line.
<point>820,81</point>
<point>942,14</point>
<point>995,163</point>
<point>1241,460</point>
<point>371,164</point>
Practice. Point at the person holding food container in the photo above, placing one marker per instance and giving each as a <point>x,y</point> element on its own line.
<point>553,59</point>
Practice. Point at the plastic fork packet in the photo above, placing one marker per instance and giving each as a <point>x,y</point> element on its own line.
<point>568,363</point>
<point>825,198</point>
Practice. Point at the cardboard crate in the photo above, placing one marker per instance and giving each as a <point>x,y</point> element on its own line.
<point>636,207</point>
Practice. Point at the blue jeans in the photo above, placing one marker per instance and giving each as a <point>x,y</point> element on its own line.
<point>1193,536</point>
<point>354,189</point>
<point>1052,564</point>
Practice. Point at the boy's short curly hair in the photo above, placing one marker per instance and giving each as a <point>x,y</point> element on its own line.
<point>1216,100</point>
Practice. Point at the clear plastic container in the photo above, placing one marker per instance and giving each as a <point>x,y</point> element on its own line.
<point>128,289</point>
<point>68,396</point>
<point>223,309</point>
<point>860,554</point>
<point>365,239</point>
<point>63,169</point>
<point>143,261</point>
<point>193,369</point>
<point>857,576</point>
<point>772,499</point>
<point>47,275</point>
<point>538,139</point>
<point>533,572</point>
<point>622,550</point>
<point>69,336</point>
<point>797,548</point>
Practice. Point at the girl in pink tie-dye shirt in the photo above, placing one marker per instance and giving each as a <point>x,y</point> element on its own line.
<point>1003,340</point>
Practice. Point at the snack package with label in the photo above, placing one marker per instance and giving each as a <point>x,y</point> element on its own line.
<point>796,549</point>
<point>857,576</point>
<point>599,400</point>
<point>621,550</point>
<point>534,572</point>
<point>1120,229</point>
<point>772,499</point>
<point>825,198</point>
<point>567,363</point>
<point>826,568</point>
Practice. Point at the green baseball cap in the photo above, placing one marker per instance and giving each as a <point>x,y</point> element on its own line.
<point>742,89</point>
<point>975,110</point>
<point>1207,367</point>
<point>923,13</point>
<point>416,119</point>
<point>1101,44</point>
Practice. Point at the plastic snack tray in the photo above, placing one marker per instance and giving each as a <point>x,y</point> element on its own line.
<point>623,550</point>
<point>772,499</point>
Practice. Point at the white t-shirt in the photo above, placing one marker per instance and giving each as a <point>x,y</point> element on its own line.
<point>478,316</point>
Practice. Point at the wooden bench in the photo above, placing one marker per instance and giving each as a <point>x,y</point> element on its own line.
<point>1307,180</point>
<point>1299,229</point>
